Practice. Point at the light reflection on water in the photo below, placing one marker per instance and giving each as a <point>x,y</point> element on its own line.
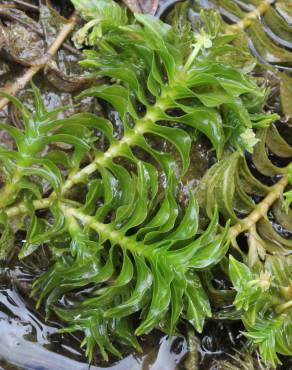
<point>27,342</point>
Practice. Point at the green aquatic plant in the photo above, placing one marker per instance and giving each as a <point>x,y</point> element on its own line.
<point>263,281</point>
<point>265,299</point>
<point>288,194</point>
<point>266,25</point>
<point>40,128</point>
<point>152,269</point>
<point>121,238</point>
<point>127,257</point>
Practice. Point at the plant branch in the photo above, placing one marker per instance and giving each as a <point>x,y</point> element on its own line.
<point>260,210</point>
<point>247,20</point>
<point>283,307</point>
<point>107,232</point>
<point>113,151</point>
<point>193,360</point>
<point>20,82</point>
<point>26,4</point>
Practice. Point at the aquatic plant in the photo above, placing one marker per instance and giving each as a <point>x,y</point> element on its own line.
<point>126,256</point>
<point>263,281</point>
<point>264,297</point>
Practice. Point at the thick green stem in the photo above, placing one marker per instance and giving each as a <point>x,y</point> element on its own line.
<point>260,210</point>
<point>284,307</point>
<point>192,56</point>
<point>107,232</point>
<point>193,360</point>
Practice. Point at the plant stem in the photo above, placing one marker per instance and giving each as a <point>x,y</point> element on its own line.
<point>107,232</point>
<point>26,4</point>
<point>21,81</point>
<point>247,20</point>
<point>22,208</point>
<point>113,151</point>
<point>260,210</point>
<point>193,360</point>
<point>192,56</point>
<point>284,307</point>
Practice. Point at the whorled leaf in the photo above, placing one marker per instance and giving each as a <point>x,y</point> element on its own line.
<point>41,128</point>
<point>153,67</point>
<point>139,260</point>
<point>265,298</point>
<point>101,15</point>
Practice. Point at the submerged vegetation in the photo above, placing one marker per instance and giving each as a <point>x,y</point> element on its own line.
<point>127,255</point>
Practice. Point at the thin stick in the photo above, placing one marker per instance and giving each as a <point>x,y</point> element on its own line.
<point>20,82</point>
<point>23,3</point>
<point>260,210</point>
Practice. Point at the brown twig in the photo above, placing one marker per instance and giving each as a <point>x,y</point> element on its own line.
<point>27,5</point>
<point>8,6</point>
<point>20,82</point>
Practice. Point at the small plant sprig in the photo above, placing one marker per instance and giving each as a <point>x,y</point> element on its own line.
<point>263,281</point>
<point>40,130</point>
<point>265,300</point>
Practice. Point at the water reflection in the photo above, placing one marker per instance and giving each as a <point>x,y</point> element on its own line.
<point>27,342</point>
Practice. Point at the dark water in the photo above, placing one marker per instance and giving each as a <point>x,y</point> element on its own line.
<point>28,342</point>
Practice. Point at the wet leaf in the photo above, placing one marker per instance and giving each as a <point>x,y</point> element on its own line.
<point>66,74</point>
<point>282,213</point>
<point>284,7</point>
<point>266,48</point>
<point>276,143</point>
<point>21,39</point>
<point>267,232</point>
<point>256,247</point>
<point>277,28</point>
<point>261,159</point>
<point>286,93</point>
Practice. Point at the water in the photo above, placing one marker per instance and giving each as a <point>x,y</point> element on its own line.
<point>28,342</point>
